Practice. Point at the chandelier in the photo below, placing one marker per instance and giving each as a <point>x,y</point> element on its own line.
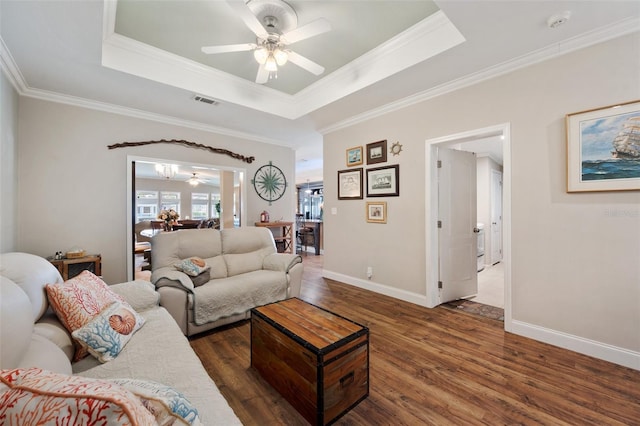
<point>167,171</point>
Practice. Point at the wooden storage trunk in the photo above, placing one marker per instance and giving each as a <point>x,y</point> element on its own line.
<point>317,360</point>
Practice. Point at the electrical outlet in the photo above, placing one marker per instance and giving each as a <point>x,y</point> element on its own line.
<point>369,272</point>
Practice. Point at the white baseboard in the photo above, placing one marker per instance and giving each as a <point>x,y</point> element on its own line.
<point>610,353</point>
<point>407,296</point>
<point>614,354</point>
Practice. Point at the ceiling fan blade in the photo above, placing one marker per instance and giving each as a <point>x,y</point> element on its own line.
<point>305,63</point>
<point>313,28</point>
<point>229,48</point>
<point>263,75</point>
<point>249,19</point>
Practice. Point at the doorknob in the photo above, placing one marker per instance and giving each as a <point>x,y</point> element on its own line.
<point>476,230</point>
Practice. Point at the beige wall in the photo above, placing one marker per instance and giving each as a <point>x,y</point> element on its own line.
<point>73,190</point>
<point>8,182</point>
<point>575,268</point>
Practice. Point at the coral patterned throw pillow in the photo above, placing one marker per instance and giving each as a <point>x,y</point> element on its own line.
<point>78,300</point>
<point>34,396</point>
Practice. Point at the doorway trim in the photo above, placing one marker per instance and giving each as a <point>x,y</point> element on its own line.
<point>131,159</point>
<point>431,209</point>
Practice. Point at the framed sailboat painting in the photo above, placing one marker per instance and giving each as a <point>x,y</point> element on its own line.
<point>603,149</point>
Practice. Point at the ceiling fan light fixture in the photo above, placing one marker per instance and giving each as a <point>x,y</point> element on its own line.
<point>193,180</point>
<point>261,54</point>
<point>280,56</point>
<point>271,64</point>
<point>275,25</point>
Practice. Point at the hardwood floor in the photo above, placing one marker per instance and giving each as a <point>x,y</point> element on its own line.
<point>434,367</point>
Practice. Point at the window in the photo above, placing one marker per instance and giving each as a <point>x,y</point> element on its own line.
<point>170,200</point>
<point>199,205</point>
<point>146,205</point>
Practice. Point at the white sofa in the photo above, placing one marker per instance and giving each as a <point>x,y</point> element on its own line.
<point>245,271</point>
<point>32,336</point>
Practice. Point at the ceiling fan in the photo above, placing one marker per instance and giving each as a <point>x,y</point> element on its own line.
<point>194,180</point>
<point>275,25</point>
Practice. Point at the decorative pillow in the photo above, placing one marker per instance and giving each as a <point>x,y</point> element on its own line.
<point>78,300</point>
<point>108,332</point>
<point>201,279</point>
<point>164,402</point>
<point>192,266</point>
<point>35,396</point>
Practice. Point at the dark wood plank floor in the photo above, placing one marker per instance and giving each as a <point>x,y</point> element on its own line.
<point>434,367</point>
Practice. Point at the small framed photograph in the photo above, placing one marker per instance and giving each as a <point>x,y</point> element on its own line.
<point>350,184</point>
<point>376,211</point>
<point>383,181</point>
<point>354,156</point>
<point>377,152</point>
<point>603,149</point>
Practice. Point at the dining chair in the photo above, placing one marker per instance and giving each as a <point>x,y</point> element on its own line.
<point>157,226</point>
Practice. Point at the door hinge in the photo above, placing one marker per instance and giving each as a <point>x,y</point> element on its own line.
<point>439,164</point>
<point>439,224</point>
<point>439,284</point>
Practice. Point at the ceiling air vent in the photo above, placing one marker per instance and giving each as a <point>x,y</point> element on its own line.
<point>205,100</point>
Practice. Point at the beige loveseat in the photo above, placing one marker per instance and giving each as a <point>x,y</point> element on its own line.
<point>245,271</point>
<point>32,336</point>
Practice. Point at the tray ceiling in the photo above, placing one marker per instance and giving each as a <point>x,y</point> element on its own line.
<point>369,41</point>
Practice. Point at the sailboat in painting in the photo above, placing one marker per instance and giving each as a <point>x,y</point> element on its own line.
<point>627,143</point>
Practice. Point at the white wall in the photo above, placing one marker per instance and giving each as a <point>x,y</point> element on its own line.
<point>575,268</point>
<point>8,182</point>
<point>73,190</point>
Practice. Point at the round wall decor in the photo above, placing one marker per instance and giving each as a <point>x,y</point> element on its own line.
<point>396,148</point>
<point>269,182</point>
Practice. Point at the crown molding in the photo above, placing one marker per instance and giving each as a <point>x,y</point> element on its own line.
<point>619,29</point>
<point>14,75</point>
<point>17,80</point>
<point>145,115</point>
<point>10,68</point>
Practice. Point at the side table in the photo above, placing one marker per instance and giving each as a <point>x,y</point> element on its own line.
<point>285,236</point>
<point>69,268</point>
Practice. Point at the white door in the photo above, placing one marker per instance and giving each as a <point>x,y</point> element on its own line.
<point>496,216</point>
<point>457,241</point>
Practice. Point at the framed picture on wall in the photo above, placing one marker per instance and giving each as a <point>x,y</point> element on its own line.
<point>350,184</point>
<point>354,156</point>
<point>383,181</point>
<point>603,149</point>
<point>376,212</point>
<point>377,152</point>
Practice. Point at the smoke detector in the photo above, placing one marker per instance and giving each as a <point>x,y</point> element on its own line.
<point>559,19</point>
